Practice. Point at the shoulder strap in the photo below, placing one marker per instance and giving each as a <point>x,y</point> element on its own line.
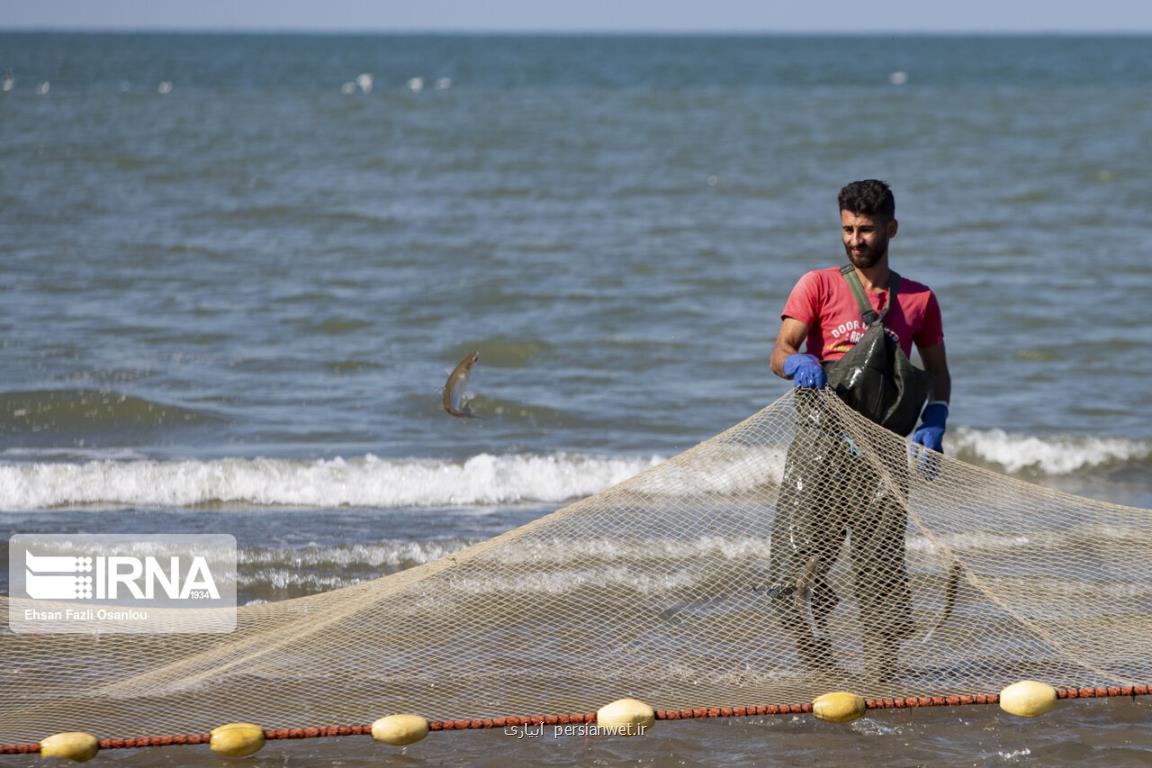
<point>867,314</point>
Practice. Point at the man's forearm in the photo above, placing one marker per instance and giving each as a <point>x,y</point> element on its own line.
<point>788,341</point>
<point>941,386</point>
<point>780,353</point>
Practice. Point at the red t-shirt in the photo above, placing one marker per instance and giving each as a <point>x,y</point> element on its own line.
<point>823,301</point>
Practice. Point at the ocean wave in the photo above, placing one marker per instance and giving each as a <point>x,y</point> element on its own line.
<point>52,410</point>
<point>1052,456</point>
<point>123,478</point>
<point>392,555</point>
<point>76,453</point>
<point>369,481</point>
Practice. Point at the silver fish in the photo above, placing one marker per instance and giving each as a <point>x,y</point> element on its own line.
<point>454,401</point>
<point>803,594</point>
<point>950,589</point>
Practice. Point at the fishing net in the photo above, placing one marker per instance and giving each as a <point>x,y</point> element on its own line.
<point>801,550</point>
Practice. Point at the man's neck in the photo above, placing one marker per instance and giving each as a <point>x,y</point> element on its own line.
<point>875,278</point>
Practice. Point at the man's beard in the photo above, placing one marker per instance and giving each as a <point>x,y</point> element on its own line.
<point>869,257</point>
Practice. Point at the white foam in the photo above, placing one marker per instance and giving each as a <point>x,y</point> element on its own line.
<point>723,469</point>
<point>118,477</point>
<point>618,549</point>
<point>369,481</point>
<point>393,554</point>
<point>1050,455</point>
<point>563,582</point>
<point>281,579</point>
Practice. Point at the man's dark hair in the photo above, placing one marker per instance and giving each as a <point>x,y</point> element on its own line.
<point>870,197</point>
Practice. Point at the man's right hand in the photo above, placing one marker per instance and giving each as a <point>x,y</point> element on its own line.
<point>805,370</point>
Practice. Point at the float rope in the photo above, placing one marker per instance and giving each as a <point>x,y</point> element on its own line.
<point>910,702</point>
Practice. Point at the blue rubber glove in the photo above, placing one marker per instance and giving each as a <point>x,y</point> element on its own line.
<point>930,436</point>
<point>805,370</point>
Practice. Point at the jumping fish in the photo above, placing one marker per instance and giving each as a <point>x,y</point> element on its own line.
<point>454,388</point>
<point>950,590</point>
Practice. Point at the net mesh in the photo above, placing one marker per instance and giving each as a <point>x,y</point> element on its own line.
<point>801,550</point>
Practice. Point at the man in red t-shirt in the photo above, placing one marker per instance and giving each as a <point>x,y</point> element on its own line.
<point>822,311</point>
<point>829,492</point>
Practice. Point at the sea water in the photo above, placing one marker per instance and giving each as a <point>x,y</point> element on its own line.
<point>238,269</point>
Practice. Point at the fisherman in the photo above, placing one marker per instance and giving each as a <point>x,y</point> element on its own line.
<point>858,323</point>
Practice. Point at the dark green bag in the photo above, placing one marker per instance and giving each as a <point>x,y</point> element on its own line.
<point>876,378</point>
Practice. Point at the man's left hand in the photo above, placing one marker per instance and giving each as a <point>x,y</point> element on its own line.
<point>930,435</point>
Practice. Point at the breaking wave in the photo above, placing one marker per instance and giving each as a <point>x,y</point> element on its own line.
<point>368,481</point>
<point>1052,456</point>
<point>39,479</point>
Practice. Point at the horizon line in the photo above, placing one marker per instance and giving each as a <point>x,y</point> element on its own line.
<point>590,32</point>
